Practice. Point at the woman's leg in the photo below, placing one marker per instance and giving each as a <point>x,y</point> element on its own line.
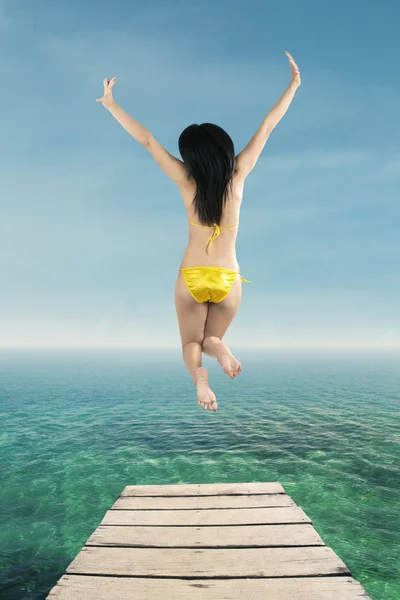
<point>192,316</point>
<point>220,316</point>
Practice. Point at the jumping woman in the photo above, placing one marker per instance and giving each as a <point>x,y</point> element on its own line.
<point>208,288</point>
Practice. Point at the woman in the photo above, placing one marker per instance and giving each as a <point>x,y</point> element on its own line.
<point>208,289</point>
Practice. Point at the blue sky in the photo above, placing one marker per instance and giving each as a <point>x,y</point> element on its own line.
<point>92,231</point>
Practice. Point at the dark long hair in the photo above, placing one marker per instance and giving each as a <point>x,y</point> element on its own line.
<point>209,155</point>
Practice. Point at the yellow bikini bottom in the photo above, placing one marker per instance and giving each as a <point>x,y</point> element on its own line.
<point>209,284</point>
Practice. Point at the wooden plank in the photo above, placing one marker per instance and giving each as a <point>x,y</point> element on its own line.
<point>85,587</point>
<point>242,536</point>
<point>204,502</point>
<point>214,562</point>
<point>206,517</point>
<point>203,489</point>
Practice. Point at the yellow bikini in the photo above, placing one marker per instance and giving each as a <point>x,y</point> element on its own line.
<point>210,284</point>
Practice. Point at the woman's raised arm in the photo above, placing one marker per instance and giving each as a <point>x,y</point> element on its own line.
<point>136,130</point>
<point>173,167</point>
<point>246,160</point>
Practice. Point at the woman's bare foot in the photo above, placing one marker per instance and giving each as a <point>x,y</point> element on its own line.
<point>230,365</point>
<point>205,396</point>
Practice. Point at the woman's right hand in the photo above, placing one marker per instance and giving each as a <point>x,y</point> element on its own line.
<point>107,98</point>
<point>294,68</point>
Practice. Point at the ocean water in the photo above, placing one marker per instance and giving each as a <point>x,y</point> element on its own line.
<point>79,425</point>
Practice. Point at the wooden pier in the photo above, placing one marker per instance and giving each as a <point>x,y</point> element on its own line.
<point>246,541</point>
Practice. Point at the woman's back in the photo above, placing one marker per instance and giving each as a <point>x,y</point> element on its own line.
<point>223,247</point>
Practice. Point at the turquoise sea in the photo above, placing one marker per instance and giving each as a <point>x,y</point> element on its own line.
<point>78,425</point>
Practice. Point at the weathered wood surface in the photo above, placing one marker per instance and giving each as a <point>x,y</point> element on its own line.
<point>212,541</point>
<point>195,517</point>
<point>203,502</point>
<point>204,489</point>
<point>78,587</point>
<point>210,562</point>
<point>212,537</point>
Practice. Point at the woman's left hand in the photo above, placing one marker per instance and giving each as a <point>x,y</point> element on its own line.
<point>295,69</point>
<point>107,98</point>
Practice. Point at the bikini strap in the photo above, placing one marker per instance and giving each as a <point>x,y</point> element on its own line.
<point>214,225</point>
<point>217,231</point>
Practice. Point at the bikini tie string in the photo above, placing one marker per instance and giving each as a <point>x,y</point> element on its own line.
<point>216,233</point>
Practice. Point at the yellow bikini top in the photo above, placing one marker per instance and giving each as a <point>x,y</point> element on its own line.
<point>217,231</point>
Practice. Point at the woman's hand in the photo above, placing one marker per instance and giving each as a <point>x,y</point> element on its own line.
<point>294,68</point>
<point>107,99</point>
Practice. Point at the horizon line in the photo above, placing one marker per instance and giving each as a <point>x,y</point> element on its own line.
<point>255,348</point>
